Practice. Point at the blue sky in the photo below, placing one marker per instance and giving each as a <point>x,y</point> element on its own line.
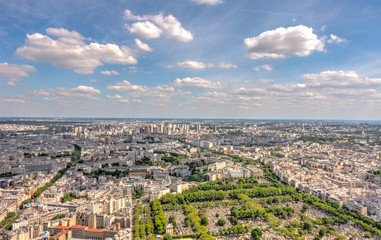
<point>191,59</point>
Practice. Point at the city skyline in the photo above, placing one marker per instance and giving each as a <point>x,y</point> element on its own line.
<point>190,59</point>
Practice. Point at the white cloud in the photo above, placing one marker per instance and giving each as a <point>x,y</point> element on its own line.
<point>144,29</point>
<point>13,72</point>
<point>226,65</point>
<point>287,87</point>
<point>109,73</point>
<point>118,99</point>
<point>115,97</point>
<point>335,39</point>
<point>40,92</point>
<point>267,67</point>
<point>172,28</point>
<point>137,101</point>
<point>152,26</point>
<point>128,15</point>
<point>126,86</point>
<point>265,81</point>
<point>282,42</point>
<point>66,35</point>
<point>13,100</point>
<point>354,93</point>
<point>198,83</point>
<point>209,99</point>
<point>152,95</point>
<point>249,91</point>
<point>72,52</point>
<point>68,96</point>
<point>208,2</point>
<point>340,79</point>
<point>142,46</point>
<point>261,81</point>
<point>133,69</point>
<point>323,28</point>
<point>168,67</point>
<point>190,64</point>
<point>85,90</point>
<point>80,92</point>
<point>93,80</point>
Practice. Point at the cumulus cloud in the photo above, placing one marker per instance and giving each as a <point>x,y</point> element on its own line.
<point>85,90</point>
<point>71,51</point>
<point>115,97</point>
<point>226,65</point>
<point>265,81</point>
<point>66,35</point>
<point>151,95</point>
<point>13,72</point>
<point>118,98</point>
<point>133,69</point>
<point>109,73</point>
<point>262,81</point>
<point>355,94</point>
<point>79,92</point>
<point>340,79</point>
<point>267,67</point>
<point>153,26</point>
<point>287,87</point>
<point>13,100</point>
<point>335,39</point>
<point>39,92</point>
<point>282,42</point>
<point>144,29</point>
<point>198,83</point>
<point>126,86</point>
<point>208,2</point>
<point>226,99</point>
<point>249,91</point>
<point>68,95</point>
<point>142,46</point>
<point>190,64</point>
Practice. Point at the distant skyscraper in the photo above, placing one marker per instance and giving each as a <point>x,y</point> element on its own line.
<point>78,131</point>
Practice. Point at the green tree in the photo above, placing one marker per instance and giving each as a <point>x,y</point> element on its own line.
<point>221,222</point>
<point>204,221</point>
<point>172,220</point>
<point>367,235</point>
<point>187,221</point>
<point>341,237</point>
<point>308,226</point>
<point>167,237</point>
<point>256,234</point>
<point>321,232</point>
<point>305,208</point>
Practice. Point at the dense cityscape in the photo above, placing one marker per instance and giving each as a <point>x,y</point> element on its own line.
<point>210,179</point>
